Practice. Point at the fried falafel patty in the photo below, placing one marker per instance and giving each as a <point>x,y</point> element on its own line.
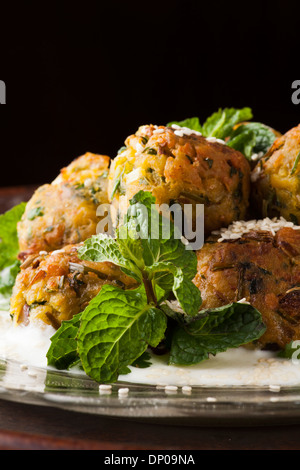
<point>275,179</point>
<point>64,212</point>
<point>261,267</point>
<point>56,286</point>
<point>184,167</point>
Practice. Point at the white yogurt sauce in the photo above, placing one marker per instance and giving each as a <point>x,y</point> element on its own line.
<point>25,344</point>
<point>236,367</point>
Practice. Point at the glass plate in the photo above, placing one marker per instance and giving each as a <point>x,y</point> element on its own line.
<point>202,406</point>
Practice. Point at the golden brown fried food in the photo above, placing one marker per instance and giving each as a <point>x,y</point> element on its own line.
<point>55,286</point>
<point>177,167</point>
<point>262,268</point>
<point>276,183</point>
<point>64,212</point>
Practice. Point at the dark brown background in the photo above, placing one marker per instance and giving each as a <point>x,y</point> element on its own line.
<point>82,78</point>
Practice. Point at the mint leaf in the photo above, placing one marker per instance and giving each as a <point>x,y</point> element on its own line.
<point>7,281</point>
<point>101,248</point>
<point>264,136</point>
<point>9,243</point>
<point>172,278</point>
<point>192,123</point>
<point>62,352</point>
<point>221,123</point>
<point>160,238</point>
<point>215,331</point>
<point>290,349</point>
<point>138,222</point>
<point>148,248</point>
<point>187,294</point>
<point>130,246</point>
<point>143,362</point>
<point>116,328</point>
<point>250,138</point>
<point>9,250</point>
<point>243,140</point>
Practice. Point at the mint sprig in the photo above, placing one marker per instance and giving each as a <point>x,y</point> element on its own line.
<point>118,326</point>
<point>215,331</point>
<point>231,125</point>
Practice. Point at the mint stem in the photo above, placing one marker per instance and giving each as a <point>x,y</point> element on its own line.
<point>151,297</point>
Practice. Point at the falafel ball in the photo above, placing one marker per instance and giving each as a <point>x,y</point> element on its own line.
<point>275,179</point>
<point>64,212</point>
<point>261,267</point>
<point>179,165</point>
<point>56,286</point>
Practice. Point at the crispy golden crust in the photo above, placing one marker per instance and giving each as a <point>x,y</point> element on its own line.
<point>262,268</point>
<point>187,169</point>
<point>64,212</point>
<point>53,287</point>
<point>276,183</point>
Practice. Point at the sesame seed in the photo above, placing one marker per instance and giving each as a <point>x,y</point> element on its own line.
<point>274,388</point>
<point>104,392</point>
<point>214,139</point>
<point>32,373</point>
<point>238,228</point>
<point>211,399</point>
<point>105,387</point>
<point>56,252</point>
<point>181,131</point>
<point>243,301</point>
<point>186,389</point>
<point>123,391</point>
<point>184,240</point>
<point>171,388</point>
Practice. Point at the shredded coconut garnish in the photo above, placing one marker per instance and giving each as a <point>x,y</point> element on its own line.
<point>257,156</point>
<point>255,174</point>
<point>123,391</point>
<point>239,227</point>
<point>76,267</point>
<point>184,240</point>
<point>243,301</point>
<point>181,131</point>
<point>214,139</point>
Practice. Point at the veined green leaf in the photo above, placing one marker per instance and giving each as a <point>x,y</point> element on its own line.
<point>171,278</point>
<point>221,123</point>
<point>9,249</point>
<point>191,123</point>
<point>62,352</point>
<point>101,248</point>
<point>215,331</point>
<point>116,328</point>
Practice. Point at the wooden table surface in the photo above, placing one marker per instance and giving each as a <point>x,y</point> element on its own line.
<point>34,427</point>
